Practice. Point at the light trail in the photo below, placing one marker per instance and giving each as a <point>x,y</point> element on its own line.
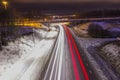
<point>77,77</point>
<point>56,68</point>
<point>77,52</point>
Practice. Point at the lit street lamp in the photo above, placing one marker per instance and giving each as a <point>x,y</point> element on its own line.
<point>5,3</point>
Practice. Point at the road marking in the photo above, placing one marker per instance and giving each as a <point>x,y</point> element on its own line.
<point>58,54</point>
<point>61,56</point>
<point>45,78</point>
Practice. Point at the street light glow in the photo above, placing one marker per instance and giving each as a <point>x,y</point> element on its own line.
<point>5,3</point>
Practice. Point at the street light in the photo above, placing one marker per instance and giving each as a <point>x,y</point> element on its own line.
<point>5,3</point>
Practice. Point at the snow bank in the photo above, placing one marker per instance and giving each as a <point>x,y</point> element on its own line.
<point>19,49</point>
<point>111,52</point>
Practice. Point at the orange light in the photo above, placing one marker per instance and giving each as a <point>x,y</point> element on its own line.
<point>5,3</point>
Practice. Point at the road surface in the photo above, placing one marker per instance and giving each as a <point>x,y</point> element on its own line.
<point>54,58</point>
<point>66,62</point>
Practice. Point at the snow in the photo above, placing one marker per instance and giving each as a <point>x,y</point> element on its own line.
<point>14,57</point>
<point>111,49</point>
<point>98,29</point>
<point>101,68</point>
<point>25,30</point>
<point>111,53</point>
<point>104,25</point>
<point>87,42</point>
<point>82,30</point>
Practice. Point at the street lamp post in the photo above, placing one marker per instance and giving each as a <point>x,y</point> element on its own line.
<point>5,3</point>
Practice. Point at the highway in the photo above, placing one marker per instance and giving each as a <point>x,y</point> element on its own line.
<point>65,62</point>
<point>78,20</point>
<point>57,57</point>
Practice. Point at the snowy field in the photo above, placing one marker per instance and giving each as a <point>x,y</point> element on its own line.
<point>100,66</point>
<point>111,52</point>
<point>98,30</point>
<point>22,51</point>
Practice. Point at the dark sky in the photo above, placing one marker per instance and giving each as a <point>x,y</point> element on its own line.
<point>40,1</point>
<point>61,6</point>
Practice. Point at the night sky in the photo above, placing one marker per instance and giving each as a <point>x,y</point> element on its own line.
<point>61,6</point>
<point>46,1</point>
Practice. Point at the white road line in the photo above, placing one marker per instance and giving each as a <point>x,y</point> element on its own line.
<point>54,61</point>
<point>61,54</point>
<point>45,78</point>
<point>57,66</point>
<point>57,55</point>
<point>57,61</point>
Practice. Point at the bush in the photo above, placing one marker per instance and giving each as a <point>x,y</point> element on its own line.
<point>114,32</point>
<point>110,52</point>
<point>97,31</point>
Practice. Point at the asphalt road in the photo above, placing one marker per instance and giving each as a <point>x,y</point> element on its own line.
<point>63,62</point>
<point>66,62</point>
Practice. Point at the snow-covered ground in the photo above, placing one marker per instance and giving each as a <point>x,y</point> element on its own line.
<point>100,67</point>
<point>82,30</point>
<point>98,29</point>
<point>111,49</point>
<point>111,53</point>
<point>87,42</point>
<point>19,55</point>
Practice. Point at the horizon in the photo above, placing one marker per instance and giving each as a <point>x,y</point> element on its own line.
<point>65,6</point>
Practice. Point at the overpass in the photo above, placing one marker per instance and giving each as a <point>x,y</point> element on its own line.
<point>80,20</point>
